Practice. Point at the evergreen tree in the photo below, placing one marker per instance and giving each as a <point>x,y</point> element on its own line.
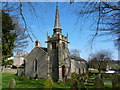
<point>13,36</point>
<point>8,37</point>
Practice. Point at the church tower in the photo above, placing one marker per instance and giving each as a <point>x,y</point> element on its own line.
<point>57,46</point>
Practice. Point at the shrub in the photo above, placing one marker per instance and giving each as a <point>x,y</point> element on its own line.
<point>10,62</point>
<point>74,81</point>
<point>74,77</point>
<point>48,83</point>
<point>116,81</point>
<point>11,83</point>
<point>77,81</point>
<point>98,83</point>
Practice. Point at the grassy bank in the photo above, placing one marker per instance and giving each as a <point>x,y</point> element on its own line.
<point>27,83</point>
<point>32,83</point>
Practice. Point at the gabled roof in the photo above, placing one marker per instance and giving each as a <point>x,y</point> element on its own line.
<point>40,48</point>
<point>76,58</point>
<point>44,48</point>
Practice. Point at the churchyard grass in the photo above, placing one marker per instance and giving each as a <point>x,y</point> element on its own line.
<point>93,71</point>
<point>108,85</point>
<point>32,83</point>
<point>61,85</point>
<point>27,83</point>
<point>21,83</point>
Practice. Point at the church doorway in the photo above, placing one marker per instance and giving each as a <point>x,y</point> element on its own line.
<point>63,71</point>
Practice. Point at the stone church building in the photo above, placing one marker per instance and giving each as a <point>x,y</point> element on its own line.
<point>54,61</point>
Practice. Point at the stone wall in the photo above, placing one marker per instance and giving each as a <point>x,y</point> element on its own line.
<point>78,66</point>
<point>8,70</point>
<point>20,71</point>
<point>42,63</point>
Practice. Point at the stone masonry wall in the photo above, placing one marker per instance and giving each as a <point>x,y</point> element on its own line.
<point>42,63</point>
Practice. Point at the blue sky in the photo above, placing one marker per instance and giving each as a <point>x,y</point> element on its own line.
<point>79,31</point>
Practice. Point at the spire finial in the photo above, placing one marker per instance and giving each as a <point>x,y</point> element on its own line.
<point>47,34</point>
<point>57,4</point>
<point>67,34</point>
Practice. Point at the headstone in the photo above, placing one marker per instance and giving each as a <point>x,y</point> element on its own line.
<point>11,83</point>
<point>98,83</point>
<point>116,81</point>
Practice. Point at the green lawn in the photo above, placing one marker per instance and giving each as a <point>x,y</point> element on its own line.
<point>108,85</point>
<point>27,83</point>
<point>93,71</point>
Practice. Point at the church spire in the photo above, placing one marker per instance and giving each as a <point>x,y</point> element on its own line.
<point>57,27</point>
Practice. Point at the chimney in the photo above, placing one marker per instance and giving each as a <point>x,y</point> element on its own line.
<point>37,43</point>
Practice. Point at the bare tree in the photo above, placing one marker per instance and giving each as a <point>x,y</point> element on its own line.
<point>16,10</point>
<point>106,16</point>
<point>22,31</point>
<point>14,37</point>
<point>21,41</point>
<point>75,52</point>
<point>106,12</point>
<point>100,59</point>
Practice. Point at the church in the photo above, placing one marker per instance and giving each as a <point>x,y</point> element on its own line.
<point>55,61</point>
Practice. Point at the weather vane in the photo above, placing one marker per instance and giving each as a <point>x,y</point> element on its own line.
<point>47,34</point>
<point>56,4</point>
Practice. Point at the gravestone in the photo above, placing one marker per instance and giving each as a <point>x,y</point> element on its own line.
<point>11,83</point>
<point>98,83</point>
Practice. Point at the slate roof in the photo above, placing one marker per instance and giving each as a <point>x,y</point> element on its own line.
<point>45,49</point>
<point>76,58</point>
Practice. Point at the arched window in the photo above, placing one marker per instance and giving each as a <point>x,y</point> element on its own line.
<point>35,65</point>
<point>63,45</point>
